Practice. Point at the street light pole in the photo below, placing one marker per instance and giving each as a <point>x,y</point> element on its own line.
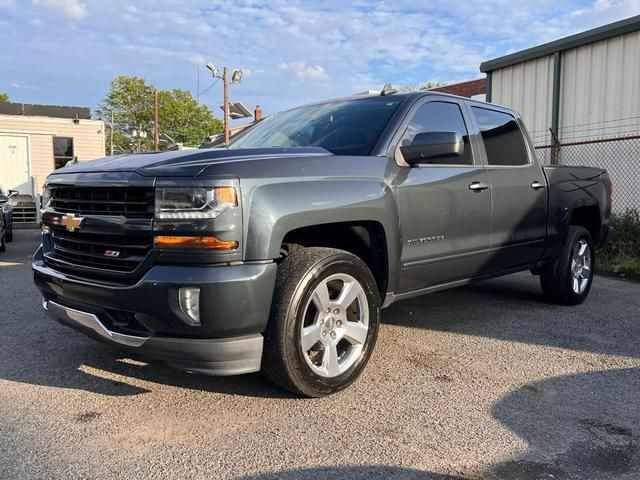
<point>111,132</point>
<point>225,81</point>
<point>155,99</point>
<point>235,78</point>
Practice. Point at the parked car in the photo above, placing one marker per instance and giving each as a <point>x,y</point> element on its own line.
<point>7,213</point>
<point>3,235</point>
<point>279,251</point>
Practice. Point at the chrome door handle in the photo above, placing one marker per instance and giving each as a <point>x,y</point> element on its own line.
<point>536,185</point>
<point>478,186</point>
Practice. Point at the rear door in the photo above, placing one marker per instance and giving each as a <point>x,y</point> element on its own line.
<point>444,205</point>
<point>518,191</point>
<point>14,163</point>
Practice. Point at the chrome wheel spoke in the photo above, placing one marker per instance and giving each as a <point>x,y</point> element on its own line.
<point>310,336</point>
<point>355,332</point>
<point>330,361</point>
<point>582,248</point>
<point>576,285</point>
<point>321,297</point>
<point>350,291</point>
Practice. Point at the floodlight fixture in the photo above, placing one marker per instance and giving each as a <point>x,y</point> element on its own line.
<point>214,70</point>
<point>236,77</point>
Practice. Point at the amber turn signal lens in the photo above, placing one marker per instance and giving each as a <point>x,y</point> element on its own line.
<point>212,243</point>
<point>226,195</point>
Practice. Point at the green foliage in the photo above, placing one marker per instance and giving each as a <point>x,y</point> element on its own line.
<point>623,256</point>
<point>131,100</point>
<point>429,85</point>
<point>4,98</point>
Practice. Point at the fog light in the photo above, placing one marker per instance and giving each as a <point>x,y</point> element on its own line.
<point>189,300</point>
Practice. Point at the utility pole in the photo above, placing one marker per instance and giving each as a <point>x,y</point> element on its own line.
<point>155,100</point>
<point>111,132</point>
<point>225,81</point>
<point>236,77</point>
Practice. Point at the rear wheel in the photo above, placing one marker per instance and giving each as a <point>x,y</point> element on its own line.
<point>324,322</point>
<point>568,281</point>
<point>3,246</point>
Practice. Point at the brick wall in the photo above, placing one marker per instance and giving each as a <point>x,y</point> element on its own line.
<point>465,89</point>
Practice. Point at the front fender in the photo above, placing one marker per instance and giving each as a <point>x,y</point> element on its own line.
<point>278,208</point>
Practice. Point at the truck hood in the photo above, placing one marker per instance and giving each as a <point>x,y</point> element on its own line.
<point>184,163</point>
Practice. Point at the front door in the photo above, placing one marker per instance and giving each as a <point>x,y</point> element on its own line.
<point>444,218</point>
<point>14,163</point>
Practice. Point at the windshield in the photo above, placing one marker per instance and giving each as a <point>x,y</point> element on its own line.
<point>350,127</point>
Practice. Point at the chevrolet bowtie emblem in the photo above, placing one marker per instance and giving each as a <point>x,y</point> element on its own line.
<point>71,222</point>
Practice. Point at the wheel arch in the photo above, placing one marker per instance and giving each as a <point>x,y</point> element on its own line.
<point>338,214</point>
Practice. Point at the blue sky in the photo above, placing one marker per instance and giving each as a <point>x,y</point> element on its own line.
<point>67,51</point>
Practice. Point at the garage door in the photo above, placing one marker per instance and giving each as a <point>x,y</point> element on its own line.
<point>14,163</point>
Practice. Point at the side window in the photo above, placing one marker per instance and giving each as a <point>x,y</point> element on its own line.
<point>502,137</point>
<point>440,117</point>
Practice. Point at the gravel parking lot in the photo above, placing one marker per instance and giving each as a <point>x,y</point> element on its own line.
<point>486,381</point>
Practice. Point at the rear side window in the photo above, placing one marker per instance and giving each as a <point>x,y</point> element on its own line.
<point>502,137</point>
<point>440,117</point>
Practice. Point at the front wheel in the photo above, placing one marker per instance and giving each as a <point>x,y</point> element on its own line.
<point>568,281</point>
<point>324,322</point>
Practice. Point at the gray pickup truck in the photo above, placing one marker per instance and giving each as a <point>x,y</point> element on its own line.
<point>278,252</point>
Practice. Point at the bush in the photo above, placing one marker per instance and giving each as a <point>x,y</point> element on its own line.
<point>623,256</point>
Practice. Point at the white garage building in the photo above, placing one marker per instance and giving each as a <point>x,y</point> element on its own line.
<point>580,99</point>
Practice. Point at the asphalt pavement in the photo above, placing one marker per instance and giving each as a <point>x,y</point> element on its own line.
<point>485,381</point>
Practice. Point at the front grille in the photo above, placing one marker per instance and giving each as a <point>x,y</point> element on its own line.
<point>127,201</point>
<point>106,244</point>
<point>90,250</point>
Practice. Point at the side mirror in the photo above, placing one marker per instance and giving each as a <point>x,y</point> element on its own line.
<point>13,192</point>
<point>429,145</point>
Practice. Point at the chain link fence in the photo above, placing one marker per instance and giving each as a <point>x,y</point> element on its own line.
<point>619,155</point>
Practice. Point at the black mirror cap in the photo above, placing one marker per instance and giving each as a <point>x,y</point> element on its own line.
<point>428,145</point>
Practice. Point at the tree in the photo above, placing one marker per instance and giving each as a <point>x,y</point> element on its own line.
<point>179,115</point>
<point>4,98</point>
<point>429,85</point>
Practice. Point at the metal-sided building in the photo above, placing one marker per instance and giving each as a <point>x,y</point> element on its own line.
<point>582,93</point>
<point>37,139</point>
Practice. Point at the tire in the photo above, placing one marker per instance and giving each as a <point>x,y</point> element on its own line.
<point>9,235</point>
<point>564,282</point>
<point>3,245</point>
<point>302,278</point>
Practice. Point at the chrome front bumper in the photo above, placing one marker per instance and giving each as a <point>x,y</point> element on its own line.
<point>68,316</point>
<point>219,356</point>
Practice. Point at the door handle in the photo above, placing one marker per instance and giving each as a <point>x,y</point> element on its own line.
<point>536,185</point>
<point>478,186</point>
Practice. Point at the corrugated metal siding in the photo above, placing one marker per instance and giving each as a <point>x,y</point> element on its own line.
<point>600,89</point>
<point>88,140</point>
<point>527,87</point>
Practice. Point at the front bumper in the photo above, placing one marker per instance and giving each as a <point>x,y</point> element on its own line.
<point>145,317</point>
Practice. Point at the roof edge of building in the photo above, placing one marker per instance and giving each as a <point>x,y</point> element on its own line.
<point>52,111</point>
<point>621,27</point>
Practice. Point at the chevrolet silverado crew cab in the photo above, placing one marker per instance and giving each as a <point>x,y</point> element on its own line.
<point>278,252</point>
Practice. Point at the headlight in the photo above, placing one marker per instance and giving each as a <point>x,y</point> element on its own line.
<point>194,203</point>
<point>46,197</point>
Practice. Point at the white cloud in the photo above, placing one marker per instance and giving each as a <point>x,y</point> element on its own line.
<point>302,71</point>
<point>72,9</point>
<point>292,48</point>
<point>23,85</point>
